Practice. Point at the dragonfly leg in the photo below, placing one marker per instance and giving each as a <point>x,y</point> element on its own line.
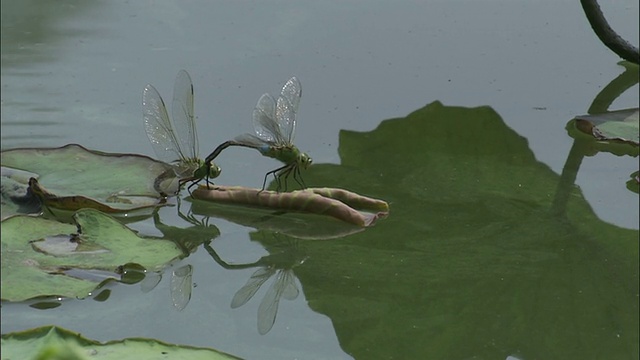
<point>298,178</point>
<point>209,182</point>
<point>276,175</point>
<point>264,183</point>
<point>286,173</point>
<point>193,183</point>
<point>207,175</point>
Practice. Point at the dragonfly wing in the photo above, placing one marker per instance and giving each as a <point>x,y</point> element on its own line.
<point>268,308</point>
<point>181,286</point>
<point>287,108</point>
<point>286,120</point>
<point>253,284</point>
<point>264,120</point>
<point>150,281</point>
<point>290,291</point>
<point>158,127</point>
<point>183,115</point>
<point>251,141</point>
<point>292,91</point>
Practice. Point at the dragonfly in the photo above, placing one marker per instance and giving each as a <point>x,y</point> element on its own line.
<point>176,142</point>
<point>274,122</point>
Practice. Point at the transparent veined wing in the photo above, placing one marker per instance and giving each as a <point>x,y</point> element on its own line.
<point>252,141</point>
<point>158,126</point>
<point>183,115</point>
<point>253,284</point>
<point>286,120</point>
<point>291,290</point>
<point>268,308</point>
<point>264,121</point>
<point>181,286</point>
<point>292,91</point>
<point>150,281</point>
<point>287,108</point>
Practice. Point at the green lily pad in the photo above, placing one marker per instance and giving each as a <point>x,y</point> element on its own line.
<point>77,177</point>
<point>14,194</point>
<point>52,342</point>
<point>485,255</point>
<point>41,257</point>
<point>614,129</point>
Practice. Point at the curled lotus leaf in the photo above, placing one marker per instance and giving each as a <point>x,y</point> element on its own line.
<point>112,204</point>
<point>337,203</point>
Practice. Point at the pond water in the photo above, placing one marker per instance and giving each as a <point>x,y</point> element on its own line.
<point>479,258</point>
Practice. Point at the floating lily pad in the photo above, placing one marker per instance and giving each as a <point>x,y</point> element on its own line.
<point>615,128</point>
<point>76,177</point>
<point>52,342</point>
<point>15,197</point>
<point>41,257</point>
<point>476,260</point>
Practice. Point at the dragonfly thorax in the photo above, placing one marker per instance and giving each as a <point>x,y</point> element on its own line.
<point>290,155</point>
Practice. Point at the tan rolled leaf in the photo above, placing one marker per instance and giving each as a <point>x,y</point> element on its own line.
<point>321,202</point>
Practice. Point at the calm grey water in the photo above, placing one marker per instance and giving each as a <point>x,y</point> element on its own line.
<point>73,72</point>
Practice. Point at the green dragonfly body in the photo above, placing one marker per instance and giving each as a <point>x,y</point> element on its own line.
<point>177,142</point>
<point>274,123</point>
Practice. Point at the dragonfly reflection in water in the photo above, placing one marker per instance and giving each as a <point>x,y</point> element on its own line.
<point>180,288</point>
<point>279,264</point>
<point>188,239</point>
<point>177,142</point>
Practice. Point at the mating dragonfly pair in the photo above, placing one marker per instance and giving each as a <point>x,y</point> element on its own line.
<point>274,122</point>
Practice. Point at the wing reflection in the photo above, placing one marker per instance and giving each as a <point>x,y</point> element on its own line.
<point>279,264</point>
<point>188,240</point>
<point>181,286</point>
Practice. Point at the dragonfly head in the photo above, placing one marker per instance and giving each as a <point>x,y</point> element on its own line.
<point>214,170</point>
<point>210,170</point>
<point>304,160</point>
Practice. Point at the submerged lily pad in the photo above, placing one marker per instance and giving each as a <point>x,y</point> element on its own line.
<point>76,177</point>
<point>52,342</point>
<point>41,257</point>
